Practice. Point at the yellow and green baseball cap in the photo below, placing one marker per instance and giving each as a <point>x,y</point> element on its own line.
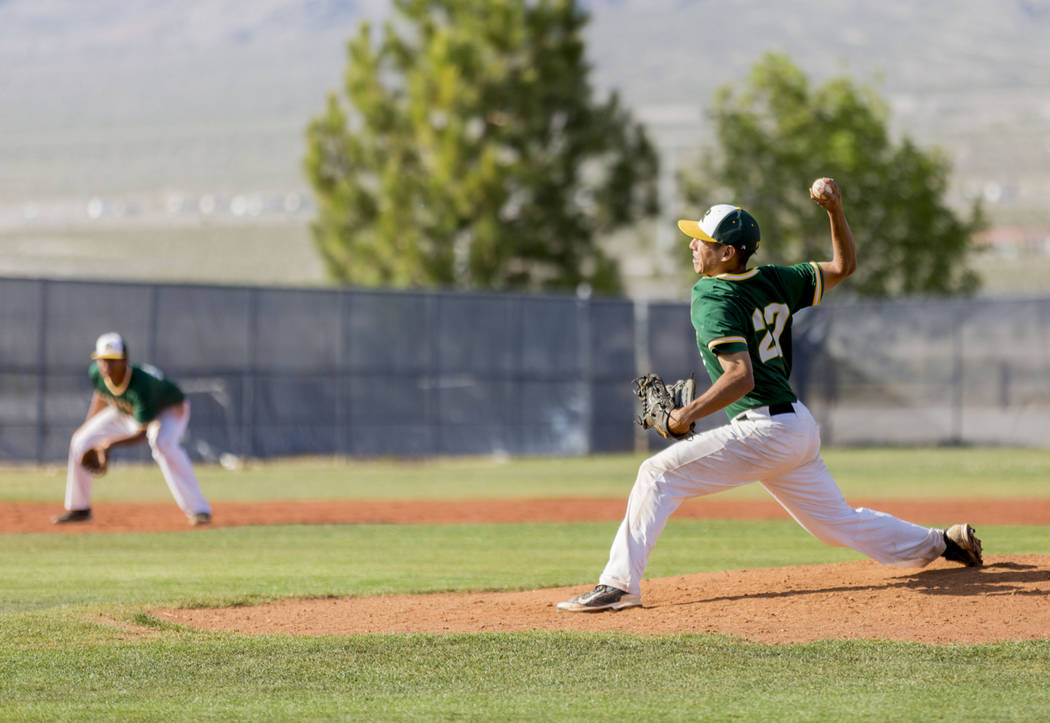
<point>726,224</point>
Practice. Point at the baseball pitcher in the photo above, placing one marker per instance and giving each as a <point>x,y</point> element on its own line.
<point>131,404</point>
<point>743,317</point>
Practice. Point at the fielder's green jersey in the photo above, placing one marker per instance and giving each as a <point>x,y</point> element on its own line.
<point>143,395</point>
<point>753,311</point>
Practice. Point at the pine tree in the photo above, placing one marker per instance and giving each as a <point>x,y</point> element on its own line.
<point>469,151</point>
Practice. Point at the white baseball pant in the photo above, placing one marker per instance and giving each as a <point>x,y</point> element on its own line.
<point>781,452</point>
<point>163,435</point>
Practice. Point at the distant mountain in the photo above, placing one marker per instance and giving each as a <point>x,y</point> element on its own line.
<point>970,76</point>
<point>114,98</point>
<point>655,51</point>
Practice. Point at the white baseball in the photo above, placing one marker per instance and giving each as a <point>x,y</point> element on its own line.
<point>819,188</point>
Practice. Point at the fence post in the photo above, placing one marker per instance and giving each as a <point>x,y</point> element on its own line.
<point>43,371</point>
<point>154,320</point>
<point>342,387</point>
<point>957,384</point>
<point>1004,384</point>
<point>586,380</point>
<point>642,363</point>
<point>831,385</point>
<point>248,382</point>
<point>432,374</point>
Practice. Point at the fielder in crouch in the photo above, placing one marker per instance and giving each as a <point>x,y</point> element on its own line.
<point>131,404</point>
<point>743,320</point>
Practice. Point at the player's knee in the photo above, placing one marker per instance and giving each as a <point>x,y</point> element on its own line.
<point>162,447</point>
<point>79,443</point>
<point>650,473</point>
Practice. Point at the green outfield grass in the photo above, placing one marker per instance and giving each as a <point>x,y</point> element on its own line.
<point>65,658</point>
<point>862,473</point>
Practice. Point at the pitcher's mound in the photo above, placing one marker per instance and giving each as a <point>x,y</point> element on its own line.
<point>943,603</point>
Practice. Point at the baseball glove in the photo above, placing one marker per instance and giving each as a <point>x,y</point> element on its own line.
<point>95,461</point>
<point>659,400</point>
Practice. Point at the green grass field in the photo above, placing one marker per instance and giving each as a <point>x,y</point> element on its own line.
<point>868,473</point>
<point>78,642</point>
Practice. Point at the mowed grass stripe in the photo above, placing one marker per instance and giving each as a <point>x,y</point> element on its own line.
<point>525,676</point>
<point>862,473</point>
<point>237,565</point>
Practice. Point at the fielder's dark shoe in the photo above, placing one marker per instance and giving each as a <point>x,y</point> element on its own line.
<point>201,518</point>
<point>72,516</point>
<point>962,545</point>
<point>602,597</point>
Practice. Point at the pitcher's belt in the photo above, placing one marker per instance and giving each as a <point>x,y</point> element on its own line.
<point>774,410</point>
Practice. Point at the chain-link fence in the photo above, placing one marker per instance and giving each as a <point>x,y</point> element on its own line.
<point>929,372</point>
<point>290,371</point>
<point>273,372</point>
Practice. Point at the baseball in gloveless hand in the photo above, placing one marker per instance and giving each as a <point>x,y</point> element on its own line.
<point>820,188</point>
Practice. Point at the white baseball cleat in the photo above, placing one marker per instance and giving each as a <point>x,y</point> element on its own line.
<point>602,597</point>
<point>962,545</point>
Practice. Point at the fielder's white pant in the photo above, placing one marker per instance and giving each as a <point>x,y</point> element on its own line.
<point>783,454</point>
<point>163,435</point>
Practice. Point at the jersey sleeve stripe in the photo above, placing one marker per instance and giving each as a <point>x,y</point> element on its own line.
<point>726,340</point>
<point>818,284</point>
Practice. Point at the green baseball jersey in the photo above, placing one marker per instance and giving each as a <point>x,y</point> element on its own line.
<point>143,395</point>
<point>753,311</point>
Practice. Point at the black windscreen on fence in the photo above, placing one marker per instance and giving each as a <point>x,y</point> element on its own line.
<point>272,372</point>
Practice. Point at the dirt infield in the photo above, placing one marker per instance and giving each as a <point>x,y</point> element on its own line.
<point>23,517</point>
<point>943,603</point>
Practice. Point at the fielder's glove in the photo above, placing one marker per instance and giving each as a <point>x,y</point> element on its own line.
<point>659,400</point>
<point>95,461</point>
